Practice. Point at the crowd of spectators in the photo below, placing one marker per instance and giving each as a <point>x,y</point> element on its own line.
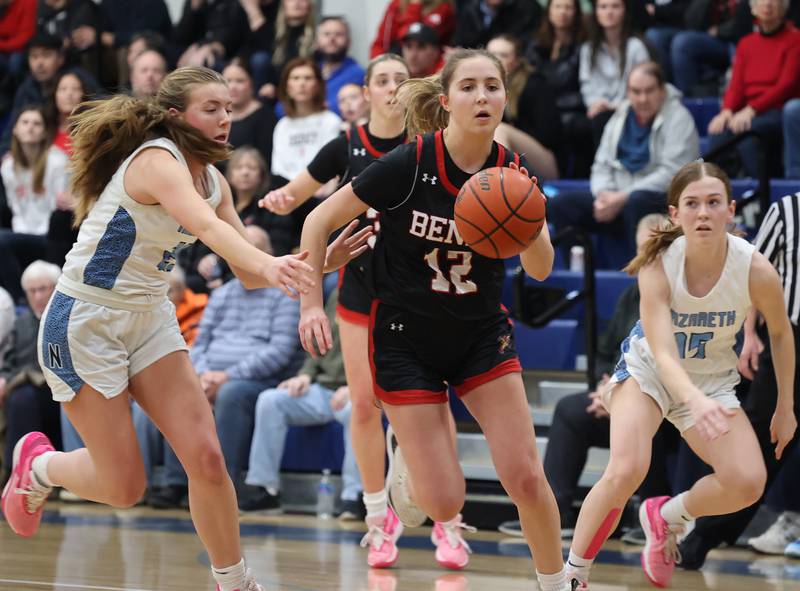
<point>596,91</point>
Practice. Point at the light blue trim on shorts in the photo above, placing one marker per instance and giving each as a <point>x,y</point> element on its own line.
<point>55,341</point>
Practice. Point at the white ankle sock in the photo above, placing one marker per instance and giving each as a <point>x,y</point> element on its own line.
<point>376,504</point>
<point>674,511</point>
<point>39,468</point>
<point>579,566</point>
<point>555,582</point>
<point>230,578</point>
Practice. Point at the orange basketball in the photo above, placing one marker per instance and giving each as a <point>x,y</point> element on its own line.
<point>499,212</point>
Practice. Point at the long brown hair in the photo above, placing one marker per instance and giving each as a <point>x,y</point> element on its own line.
<point>597,36</point>
<point>305,45</point>
<point>317,101</point>
<point>420,96</point>
<point>546,34</point>
<point>661,239</point>
<point>105,132</point>
<point>38,167</point>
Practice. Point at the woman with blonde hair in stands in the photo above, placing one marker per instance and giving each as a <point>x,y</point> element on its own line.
<point>143,185</point>
<point>697,282</point>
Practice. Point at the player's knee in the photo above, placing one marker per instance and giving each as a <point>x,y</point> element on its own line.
<point>626,474</point>
<point>127,490</point>
<point>444,506</point>
<point>208,463</point>
<point>746,484</point>
<point>526,485</point>
<point>364,409</point>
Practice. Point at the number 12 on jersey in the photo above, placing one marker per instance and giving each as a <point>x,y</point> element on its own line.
<point>459,263</point>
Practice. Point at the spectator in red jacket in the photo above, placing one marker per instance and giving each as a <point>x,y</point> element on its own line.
<point>17,24</point>
<point>766,74</point>
<point>437,14</point>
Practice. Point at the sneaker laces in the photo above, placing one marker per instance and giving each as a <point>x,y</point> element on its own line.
<point>671,551</point>
<point>375,537</point>
<point>250,582</point>
<point>36,494</point>
<point>453,535</point>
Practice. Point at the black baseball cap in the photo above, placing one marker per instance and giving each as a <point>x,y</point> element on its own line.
<point>420,32</point>
<point>45,40</point>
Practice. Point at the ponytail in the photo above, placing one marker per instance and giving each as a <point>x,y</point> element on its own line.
<point>424,111</point>
<point>655,245</point>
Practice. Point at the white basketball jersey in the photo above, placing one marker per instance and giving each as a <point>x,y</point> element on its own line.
<point>125,248</point>
<point>705,328</point>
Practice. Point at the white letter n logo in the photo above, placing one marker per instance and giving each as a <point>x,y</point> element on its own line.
<point>54,352</point>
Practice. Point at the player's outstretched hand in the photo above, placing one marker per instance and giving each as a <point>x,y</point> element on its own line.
<point>748,358</point>
<point>277,201</point>
<point>347,246</point>
<point>781,430</point>
<point>710,417</point>
<point>314,326</point>
<point>523,170</point>
<point>291,274</point>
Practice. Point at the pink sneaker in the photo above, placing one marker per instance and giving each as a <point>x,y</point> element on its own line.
<point>24,498</point>
<point>451,549</point>
<point>660,551</point>
<point>382,541</point>
<point>250,583</point>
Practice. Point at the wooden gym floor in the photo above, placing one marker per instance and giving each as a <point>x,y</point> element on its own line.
<point>84,546</point>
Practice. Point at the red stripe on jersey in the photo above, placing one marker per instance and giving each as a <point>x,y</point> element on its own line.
<point>362,133</point>
<point>501,154</point>
<point>400,396</point>
<point>352,316</point>
<point>419,148</point>
<point>451,188</point>
<point>506,367</point>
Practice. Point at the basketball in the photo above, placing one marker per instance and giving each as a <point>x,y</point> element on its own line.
<point>499,212</point>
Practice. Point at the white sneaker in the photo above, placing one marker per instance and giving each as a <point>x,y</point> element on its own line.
<point>785,530</point>
<point>397,480</point>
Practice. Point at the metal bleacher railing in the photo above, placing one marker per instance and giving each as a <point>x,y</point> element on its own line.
<point>536,304</point>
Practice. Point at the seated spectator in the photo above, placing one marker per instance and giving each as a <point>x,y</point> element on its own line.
<point>120,21</point>
<point>7,316</point>
<point>317,395</point>
<point>189,306</point>
<point>580,421</point>
<point>69,91</point>
<point>666,20</point>
<point>35,179</point>
<point>437,14</point>
<point>337,67</point>
<point>141,42</point>
<point>76,23</point>
<point>650,136</point>
<point>531,124</point>
<point>555,55</point>
<point>24,396</point>
<point>421,50</point>
<point>606,61</point>
<point>17,26</point>
<point>701,53</point>
<point>252,123</point>
<point>791,131</point>
<point>292,37</point>
<point>211,32</point>
<point>147,70</point>
<point>766,74</point>
<point>247,343</point>
<point>257,45</point>
<point>477,21</point>
<point>353,106</point>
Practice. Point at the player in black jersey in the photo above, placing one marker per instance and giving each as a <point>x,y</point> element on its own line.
<point>346,157</point>
<point>437,319</point>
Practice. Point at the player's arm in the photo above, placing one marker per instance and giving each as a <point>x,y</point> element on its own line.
<point>292,195</point>
<point>155,176</point>
<point>766,294</point>
<point>537,259</point>
<point>330,215</point>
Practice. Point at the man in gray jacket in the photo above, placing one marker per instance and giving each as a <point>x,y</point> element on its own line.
<point>650,136</point>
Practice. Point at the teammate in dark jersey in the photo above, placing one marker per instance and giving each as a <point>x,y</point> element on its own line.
<point>437,319</point>
<point>346,157</point>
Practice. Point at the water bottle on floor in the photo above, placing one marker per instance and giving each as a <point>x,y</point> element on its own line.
<point>325,496</point>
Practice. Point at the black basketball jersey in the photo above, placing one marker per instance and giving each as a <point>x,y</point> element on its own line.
<point>420,261</point>
<point>360,150</point>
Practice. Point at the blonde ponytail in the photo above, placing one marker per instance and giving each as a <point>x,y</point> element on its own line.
<point>424,111</point>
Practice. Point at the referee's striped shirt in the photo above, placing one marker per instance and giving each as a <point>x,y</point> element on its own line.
<point>777,240</point>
